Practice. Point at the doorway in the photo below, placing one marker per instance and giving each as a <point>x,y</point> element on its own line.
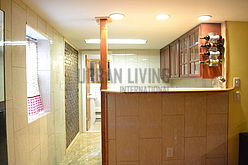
<point>93,94</point>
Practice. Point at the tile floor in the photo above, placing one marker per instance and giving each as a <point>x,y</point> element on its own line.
<point>86,150</point>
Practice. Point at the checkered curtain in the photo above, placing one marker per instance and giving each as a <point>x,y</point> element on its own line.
<point>34,104</point>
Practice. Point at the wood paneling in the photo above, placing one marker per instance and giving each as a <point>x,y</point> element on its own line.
<point>184,134</point>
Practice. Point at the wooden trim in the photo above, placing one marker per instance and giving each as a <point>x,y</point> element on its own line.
<point>104,53</point>
<point>104,125</point>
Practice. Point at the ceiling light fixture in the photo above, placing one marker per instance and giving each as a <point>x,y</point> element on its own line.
<point>116,16</point>
<point>204,17</point>
<point>123,54</point>
<point>162,16</point>
<point>117,41</point>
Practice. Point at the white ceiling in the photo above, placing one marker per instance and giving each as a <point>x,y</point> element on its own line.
<point>75,19</point>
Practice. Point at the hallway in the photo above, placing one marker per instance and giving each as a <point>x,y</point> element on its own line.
<point>86,150</point>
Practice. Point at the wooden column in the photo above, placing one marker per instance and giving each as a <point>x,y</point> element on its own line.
<point>104,85</point>
<point>104,53</point>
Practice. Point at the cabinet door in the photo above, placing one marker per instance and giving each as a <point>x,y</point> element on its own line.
<point>165,62</point>
<point>174,59</point>
<point>184,56</point>
<point>194,55</point>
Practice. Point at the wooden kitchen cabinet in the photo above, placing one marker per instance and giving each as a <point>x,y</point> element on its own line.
<point>185,54</point>
<point>174,59</point>
<point>165,62</point>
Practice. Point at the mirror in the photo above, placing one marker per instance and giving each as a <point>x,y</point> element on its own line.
<point>3,138</point>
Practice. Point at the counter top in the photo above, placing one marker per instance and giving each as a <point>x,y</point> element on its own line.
<point>170,90</point>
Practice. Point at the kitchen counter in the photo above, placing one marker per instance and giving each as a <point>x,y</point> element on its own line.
<point>168,90</point>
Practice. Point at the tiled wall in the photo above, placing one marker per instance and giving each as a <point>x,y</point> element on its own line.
<point>168,128</point>
<point>71,93</point>
<point>41,142</point>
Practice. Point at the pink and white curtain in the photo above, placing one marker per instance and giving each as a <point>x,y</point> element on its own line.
<point>34,104</point>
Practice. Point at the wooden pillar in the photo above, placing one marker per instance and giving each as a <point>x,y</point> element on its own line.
<point>104,53</point>
<point>104,85</point>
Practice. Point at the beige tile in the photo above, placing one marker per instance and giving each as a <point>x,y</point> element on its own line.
<point>35,156</point>
<point>111,116</point>
<point>195,151</point>
<point>50,123</point>
<point>9,119</point>
<point>217,135</point>
<point>21,147</point>
<point>127,138</point>
<point>173,104</point>
<point>19,56</point>
<point>11,151</point>
<point>216,161</point>
<point>126,105</point>
<point>173,162</point>
<point>19,22</point>
<point>128,163</point>
<point>6,7</point>
<point>42,26</point>
<point>20,3</point>
<point>195,115</point>
<point>173,137</point>
<point>112,152</point>
<point>217,102</point>
<point>34,134</point>
<point>8,72</point>
<point>150,115</point>
<point>19,98</point>
<point>150,151</point>
<point>51,150</point>
<point>32,19</point>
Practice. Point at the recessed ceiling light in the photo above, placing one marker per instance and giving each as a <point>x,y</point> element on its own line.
<point>117,16</point>
<point>117,41</point>
<point>204,17</point>
<point>123,54</point>
<point>162,16</point>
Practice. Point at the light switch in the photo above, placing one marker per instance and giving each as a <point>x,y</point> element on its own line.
<point>236,82</point>
<point>236,96</point>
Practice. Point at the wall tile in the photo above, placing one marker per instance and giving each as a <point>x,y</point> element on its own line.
<point>21,147</point>
<point>19,98</point>
<point>112,152</point>
<point>173,104</point>
<point>111,116</point>
<point>35,156</point>
<point>150,151</point>
<point>19,56</point>
<point>195,151</point>
<point>217,135</point>
<point>173,162</point>
<point>6,7</point>
<point>150,115</point>
<point>9,119</point>
<point>8,72</point>
<point>127,139</point>
<point>217,102</point>
<point>42,26</point>
<point>32,19</point>
<point>126,105</point>
<point>216,161</point>
<point>11,151</point>
<point>19,22</point>
<point>173,137</point>
<point>34,134</point>
<point>195,115</point>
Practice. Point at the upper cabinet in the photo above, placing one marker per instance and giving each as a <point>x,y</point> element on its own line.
<point>186,54</point>
<point>165,63</point>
